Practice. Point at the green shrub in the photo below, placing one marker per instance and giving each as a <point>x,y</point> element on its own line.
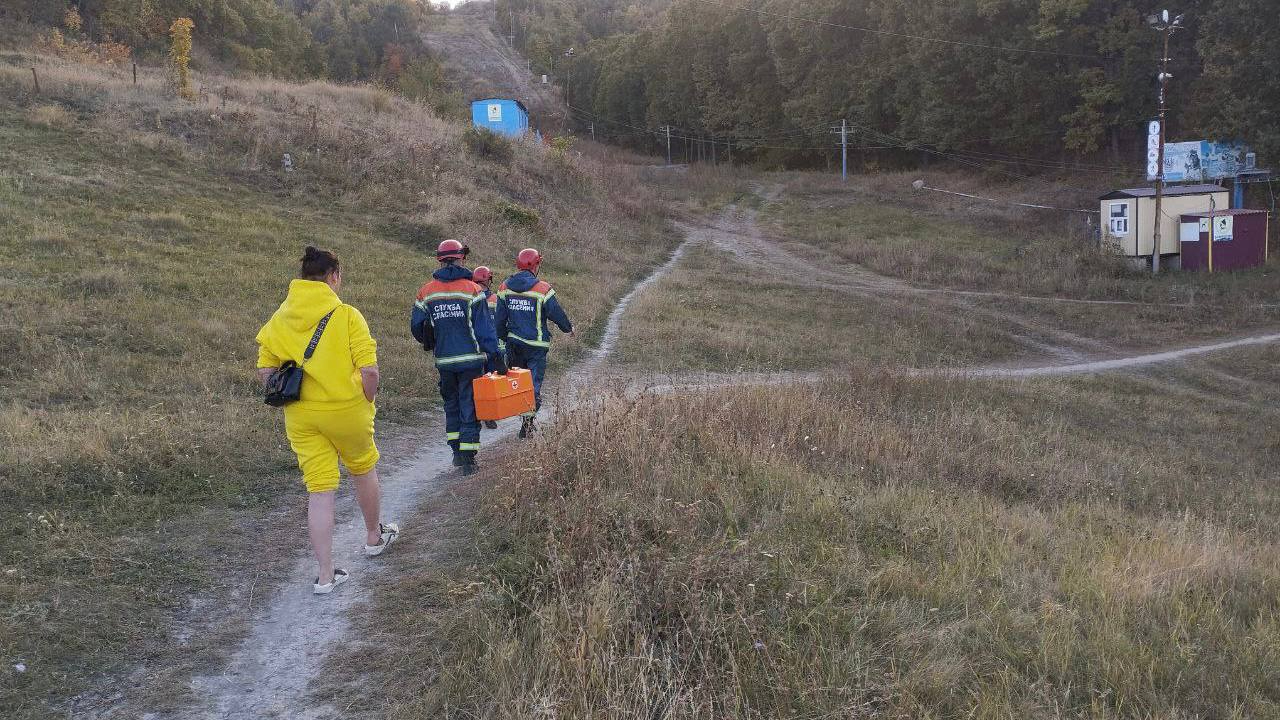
<point>560,147</point>
<point>487,144</point>
<point>520,215</point>
<point>415,234</point>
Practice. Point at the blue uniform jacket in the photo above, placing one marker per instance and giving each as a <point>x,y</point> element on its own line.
<point>525,304</point>
<point>451,318</point>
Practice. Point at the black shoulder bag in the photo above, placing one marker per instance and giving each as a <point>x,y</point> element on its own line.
<point>284,385</point>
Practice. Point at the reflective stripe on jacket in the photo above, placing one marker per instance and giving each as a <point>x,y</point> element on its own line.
<point>450,317</point>
<point>525,304</point>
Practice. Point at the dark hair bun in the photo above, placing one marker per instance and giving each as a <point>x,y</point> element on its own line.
<point>317,263</point>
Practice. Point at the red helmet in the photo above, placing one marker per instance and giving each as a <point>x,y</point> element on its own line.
<point>451,250</point>
<point>482,274</point>
<point>529,259</point>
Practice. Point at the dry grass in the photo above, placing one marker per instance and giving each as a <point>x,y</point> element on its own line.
<point>867,547</point>
<point>54,116</point>
<point>712,313</point>
<point>144,240</point>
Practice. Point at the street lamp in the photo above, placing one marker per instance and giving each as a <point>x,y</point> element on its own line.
<point>1163,23</point>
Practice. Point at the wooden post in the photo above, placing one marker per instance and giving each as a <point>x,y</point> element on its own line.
<point>35,81</point>
<point>1164,83</point>
<point>135,73</point>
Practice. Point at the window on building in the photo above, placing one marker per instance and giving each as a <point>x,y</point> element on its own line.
<point>1119,219</point>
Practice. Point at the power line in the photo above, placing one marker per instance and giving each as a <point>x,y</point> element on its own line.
<point>1006,157</point>
<point>755,141</point>
<point>924,38</point>
<point>691,134</point>
<point>978,163</point>
<point>919,185</point>
<point>973,159</point>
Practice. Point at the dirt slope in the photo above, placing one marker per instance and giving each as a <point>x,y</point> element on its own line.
<point>483,65</point>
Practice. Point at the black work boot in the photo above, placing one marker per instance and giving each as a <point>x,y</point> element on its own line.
<point>468,464</point>
<point>526,426</point>
<point>457,459</point>
<point>491,424</point>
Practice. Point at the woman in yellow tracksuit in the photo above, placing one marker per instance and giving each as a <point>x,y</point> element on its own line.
<point>333,417</point>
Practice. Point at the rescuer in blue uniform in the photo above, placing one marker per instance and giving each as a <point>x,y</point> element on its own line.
<point>525,304</point>
<point>451,318</point>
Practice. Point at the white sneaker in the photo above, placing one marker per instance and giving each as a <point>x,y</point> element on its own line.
<point>339,576</point>
<point>389,532</point>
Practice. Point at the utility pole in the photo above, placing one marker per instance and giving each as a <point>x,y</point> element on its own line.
<point>1213,227</point>
<point>667,130</point>
<point>844,149</point>
<point>1164,24</point>
<point>593,132</point>
<point>568,77</point>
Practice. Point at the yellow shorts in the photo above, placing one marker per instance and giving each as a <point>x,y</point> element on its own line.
<point>320,436</point>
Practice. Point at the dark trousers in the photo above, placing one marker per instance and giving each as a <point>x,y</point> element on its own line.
<point>533,359</point>
<point>460,424</point>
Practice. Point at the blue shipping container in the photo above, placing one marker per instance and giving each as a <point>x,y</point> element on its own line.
<point>505,117</point>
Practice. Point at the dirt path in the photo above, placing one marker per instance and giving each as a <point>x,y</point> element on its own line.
<point>709,380</point>
<point>737,232</point>
<point>1112,364</point>
<point>268,675</point>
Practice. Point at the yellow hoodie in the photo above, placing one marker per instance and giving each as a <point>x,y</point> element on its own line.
<point>332,376</point>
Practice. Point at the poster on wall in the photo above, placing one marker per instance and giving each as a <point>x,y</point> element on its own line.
<point>1200,161</point>
<point>495,112</point>
<point>1223,227</point>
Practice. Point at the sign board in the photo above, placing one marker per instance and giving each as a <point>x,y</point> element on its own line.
<point>495,112</point>
<point>1153,149</point>
<point>1223,227</point>
<point>1199,161</point>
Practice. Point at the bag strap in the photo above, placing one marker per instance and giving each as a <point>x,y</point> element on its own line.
<point>315,338</point>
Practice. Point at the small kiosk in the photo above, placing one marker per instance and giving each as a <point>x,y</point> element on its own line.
<point>1129,217</point>
<point>1223,239</point>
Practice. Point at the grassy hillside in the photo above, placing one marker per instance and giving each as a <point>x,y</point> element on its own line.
<point>871,546</point>
<point>713,313</point>
<point>888,274</point>
<point>143,240</point>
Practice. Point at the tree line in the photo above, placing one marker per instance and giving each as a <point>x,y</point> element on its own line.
<point>346,40</point>
<point>1062,81</point>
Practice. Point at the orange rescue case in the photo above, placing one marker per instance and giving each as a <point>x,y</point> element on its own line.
<point>503,396</point>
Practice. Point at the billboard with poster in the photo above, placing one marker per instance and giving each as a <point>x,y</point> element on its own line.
<point>1200,161</point>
